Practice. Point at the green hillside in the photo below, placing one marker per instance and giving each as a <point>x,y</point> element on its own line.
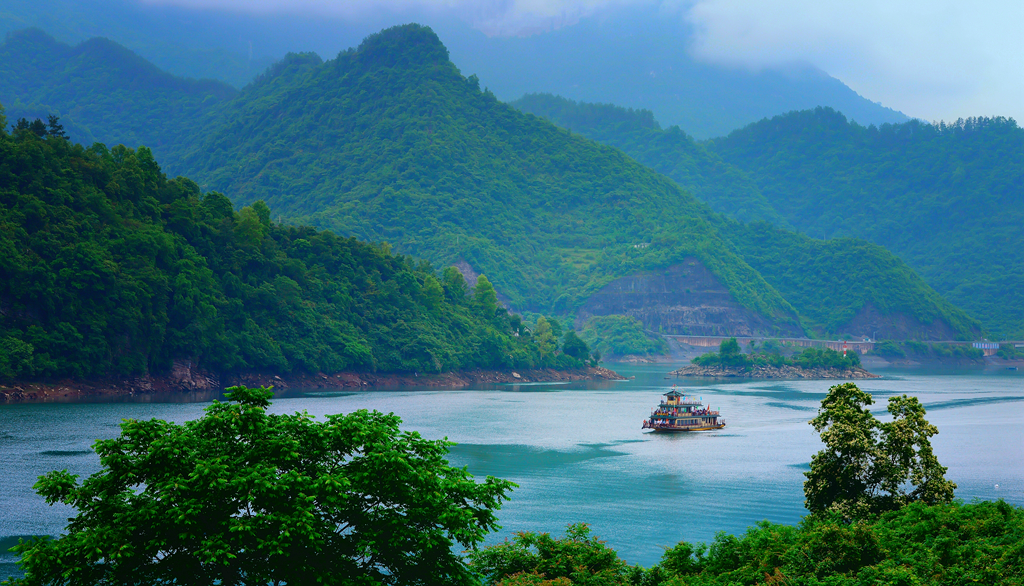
<point>670,152</point>
<point>102,92</point>
<point>889,299</point>
<point>107,268</point>
<point>947,198</point>
<point>828,282</point>
<point>389,142</point>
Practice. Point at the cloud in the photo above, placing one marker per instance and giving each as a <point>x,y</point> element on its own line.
<point>494,17</point>
<point>936,59</point>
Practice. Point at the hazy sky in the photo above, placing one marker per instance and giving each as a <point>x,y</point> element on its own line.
<point>931,59</point>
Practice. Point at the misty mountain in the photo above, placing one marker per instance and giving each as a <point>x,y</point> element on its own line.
<point>389,142</point>
<point>942,197</point>
<point>635,56</point>
<point>102,91</point>
<point>670,151</point>
<point>947,198</point>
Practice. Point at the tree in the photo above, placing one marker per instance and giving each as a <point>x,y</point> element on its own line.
<point>485,297</point>
<point>867,467</point>
<point>240,496</point>
<point>573,346</point>
<point>538,558</point>
<point>546,342</point>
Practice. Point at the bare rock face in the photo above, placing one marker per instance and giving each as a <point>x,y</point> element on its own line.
<point>869,322</point>
<point>684,299</point>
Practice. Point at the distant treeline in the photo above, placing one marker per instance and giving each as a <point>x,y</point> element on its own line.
<point>770,354</point>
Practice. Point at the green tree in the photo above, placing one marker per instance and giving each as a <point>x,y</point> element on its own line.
<point>573,346</point>
<point>241,496</point>
<point>544,338</point>
<point>536,558</point>
<point>433,293</point>
<point>868,467</point>
<point>485,297</point>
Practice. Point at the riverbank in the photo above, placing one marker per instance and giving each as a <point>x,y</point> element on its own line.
<point>182,380</point>
<point>775,372</point>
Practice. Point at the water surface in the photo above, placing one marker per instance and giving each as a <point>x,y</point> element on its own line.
<point>577,451</point>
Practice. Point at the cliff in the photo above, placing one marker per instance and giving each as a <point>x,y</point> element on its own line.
<point>683,299</point>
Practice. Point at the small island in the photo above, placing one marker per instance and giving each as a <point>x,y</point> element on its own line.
<point>768,362</point>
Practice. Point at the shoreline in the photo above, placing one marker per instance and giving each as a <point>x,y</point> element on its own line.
<point>774,372</point>
<point>182,381</point>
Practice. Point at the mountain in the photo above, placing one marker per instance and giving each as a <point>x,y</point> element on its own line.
<point>185,42</point>
<point>102,92</point>
<point>634,55</point>
<point>947,198</point>
<point>902,186</point>
<point>637,56</point>
<point>670,152</point>
<point>108,268</point>
<point>389,142</point>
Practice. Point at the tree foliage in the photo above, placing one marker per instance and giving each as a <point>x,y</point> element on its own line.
<point>621,335</point>
<point>538,558</point>
<point>241,496</point>
<point>829,282</point>
<point>944,197</point>
<point>869,467</point>
<point>107,267</point>
<point>729,355</point>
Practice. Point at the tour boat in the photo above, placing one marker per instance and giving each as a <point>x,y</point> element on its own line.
<point>677,412</point>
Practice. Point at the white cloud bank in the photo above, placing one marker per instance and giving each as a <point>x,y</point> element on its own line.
<point>933,59</point>
<point>936,59</point>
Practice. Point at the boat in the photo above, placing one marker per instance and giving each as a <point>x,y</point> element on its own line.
<point>677,412</point>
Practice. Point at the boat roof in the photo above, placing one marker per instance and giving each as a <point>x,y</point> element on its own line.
<point>674,393</point>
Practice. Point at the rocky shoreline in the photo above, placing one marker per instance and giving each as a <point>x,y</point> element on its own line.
<point>183,380</point>
<point>777,372</point>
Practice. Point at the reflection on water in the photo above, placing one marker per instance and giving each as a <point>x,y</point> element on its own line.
<point>577,451</point>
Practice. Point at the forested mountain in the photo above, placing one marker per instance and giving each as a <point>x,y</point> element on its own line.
<point>102,92</point>
<point>109,268</point>
<point>197,44</point>
<point>947,198</point>
<point>670,152</point>
<point>389,142</point>
<point>636,54</point>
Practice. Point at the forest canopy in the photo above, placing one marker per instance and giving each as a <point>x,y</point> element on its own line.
<point>108,267</point>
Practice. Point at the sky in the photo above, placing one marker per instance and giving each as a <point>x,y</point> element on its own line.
<point>931,59</point>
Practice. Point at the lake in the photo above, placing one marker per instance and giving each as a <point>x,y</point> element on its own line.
<point>577,452</point>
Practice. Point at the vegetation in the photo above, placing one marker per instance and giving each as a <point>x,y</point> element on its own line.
<point>828,282</point>
<point>103,92</point>
<point>945,197</point>
<point>109,268</point>
<point>909,349</point>
<point>670,152</point>
<point>621,335</point>
<point>348,500</point>
<point>389,143</point>
<point>942,544</point>
<point>869,467</point>
<point>845,284</point>
<point>353,499</point>
<point>729,355</point>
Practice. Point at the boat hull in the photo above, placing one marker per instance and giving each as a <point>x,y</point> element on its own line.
<point>685,429</point>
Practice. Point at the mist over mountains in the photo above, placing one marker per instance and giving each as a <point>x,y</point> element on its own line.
<point>631,56</point>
